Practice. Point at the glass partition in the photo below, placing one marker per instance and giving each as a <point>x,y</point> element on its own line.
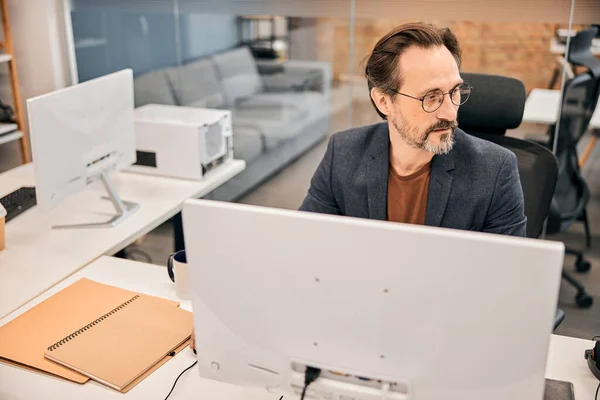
<point>293,73</point>
<point>111,35</point>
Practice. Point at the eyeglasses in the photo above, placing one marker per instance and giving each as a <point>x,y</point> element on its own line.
<point>434,98</point>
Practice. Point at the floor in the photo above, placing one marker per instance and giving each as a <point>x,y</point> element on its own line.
<point>287,189</point>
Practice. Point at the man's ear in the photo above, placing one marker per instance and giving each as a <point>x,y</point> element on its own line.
<point>382,101</point>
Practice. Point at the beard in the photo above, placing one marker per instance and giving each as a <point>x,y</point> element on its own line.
<point>421,141</point>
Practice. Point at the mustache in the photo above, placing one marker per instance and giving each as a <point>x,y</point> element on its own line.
<point>440,125</point>
<point>443,125</point>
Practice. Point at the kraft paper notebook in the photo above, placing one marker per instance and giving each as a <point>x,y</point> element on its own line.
<point>25,339</point>
<point>122,344</point>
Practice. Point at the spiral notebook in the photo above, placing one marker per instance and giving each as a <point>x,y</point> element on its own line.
<point>25,339</point>
<point>122,344</point>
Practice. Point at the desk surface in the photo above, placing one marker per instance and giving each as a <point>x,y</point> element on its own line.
<point>565,358</point>
<point>37,257</point>
<point>17,383</point>
<point>566,363</point>
<point>542,107</point>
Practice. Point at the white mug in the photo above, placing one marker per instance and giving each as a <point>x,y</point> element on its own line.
<point>178,270</point>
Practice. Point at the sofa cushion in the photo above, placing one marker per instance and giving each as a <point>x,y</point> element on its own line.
<point>270,112</point>
<point>248,143</point>
<point>197,84</point>
<point>239,74</point>
<point>280,116</point>
<point>275,133</point>
<point>308,75</point>
<point>300,101</point>
<point>153,88</point>
<point>284,108</point>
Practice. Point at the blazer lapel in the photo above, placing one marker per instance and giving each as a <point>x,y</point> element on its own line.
<point>378,166</point>
<point>439,188</point>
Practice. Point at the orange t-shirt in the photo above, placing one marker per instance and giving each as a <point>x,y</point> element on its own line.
<point>407,196</point>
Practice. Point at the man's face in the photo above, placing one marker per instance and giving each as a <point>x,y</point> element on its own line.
<point>424,70</point>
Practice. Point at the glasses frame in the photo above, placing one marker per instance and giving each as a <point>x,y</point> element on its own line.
<point>422,99</point>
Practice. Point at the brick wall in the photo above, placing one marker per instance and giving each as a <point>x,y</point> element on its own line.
<point>519,50</point>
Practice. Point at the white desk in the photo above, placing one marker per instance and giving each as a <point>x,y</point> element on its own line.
<point>566,363</point>
<point>17,383</point>
<point>565,359</point>
<point>37,257</point>
<point>542,107</point>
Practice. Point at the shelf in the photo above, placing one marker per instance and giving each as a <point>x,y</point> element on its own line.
<point>9,137</point>
<point>89,42</point>
<point>10,132</point>
<point>6,127</point>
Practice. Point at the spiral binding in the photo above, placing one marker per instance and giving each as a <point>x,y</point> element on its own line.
<point>91,324</point>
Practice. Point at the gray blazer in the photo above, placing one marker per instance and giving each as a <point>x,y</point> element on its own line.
<point>475,186</point>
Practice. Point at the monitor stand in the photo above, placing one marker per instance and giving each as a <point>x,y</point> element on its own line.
<point>124,208</point>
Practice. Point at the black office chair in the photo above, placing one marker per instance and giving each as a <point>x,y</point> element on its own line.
<point>497,104</point>
<point>569,205</point>
<point>580,50</point>
<point>593,64</point>
<point>580,98</point>
<point>538,168</point>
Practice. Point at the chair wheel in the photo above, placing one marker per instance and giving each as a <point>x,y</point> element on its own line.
<point>582,265</point>
<point>583,300</point>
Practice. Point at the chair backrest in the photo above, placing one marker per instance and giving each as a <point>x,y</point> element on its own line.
<point>496,104</point>
<point>580,51</point>
<point>580,97</point>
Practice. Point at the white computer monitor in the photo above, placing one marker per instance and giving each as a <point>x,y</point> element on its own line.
<point>81,134</point>
<point>436,313</point>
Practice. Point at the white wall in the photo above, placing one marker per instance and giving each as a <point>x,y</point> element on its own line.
<point>39,41</point>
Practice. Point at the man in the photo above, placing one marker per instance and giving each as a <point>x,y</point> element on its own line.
<point>418,167</point>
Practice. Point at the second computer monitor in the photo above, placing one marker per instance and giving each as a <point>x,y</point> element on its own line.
<point>81,134</point>
<point>385,310</point>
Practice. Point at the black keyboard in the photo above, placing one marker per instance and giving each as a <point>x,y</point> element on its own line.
<point>18,201</point>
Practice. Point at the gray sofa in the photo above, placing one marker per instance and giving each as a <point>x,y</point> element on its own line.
<point>278,110</point>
